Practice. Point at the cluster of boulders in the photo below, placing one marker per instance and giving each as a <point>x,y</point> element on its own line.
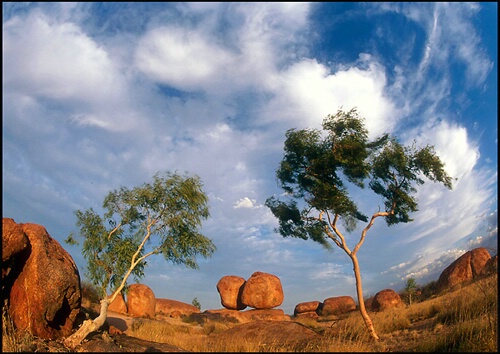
<point>40,281</point>
<point>141,302</point>
<point>339,305</point>
<point>262,292</point>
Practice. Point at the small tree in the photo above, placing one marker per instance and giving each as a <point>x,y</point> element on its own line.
<point>162,217</point>
<point>316,170</point>
<point>196,303</point>
<point>410,288</point>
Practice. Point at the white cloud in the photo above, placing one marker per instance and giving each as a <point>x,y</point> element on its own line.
<point>308,92</point>
<point>246,203</point>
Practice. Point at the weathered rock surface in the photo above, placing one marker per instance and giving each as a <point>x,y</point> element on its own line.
<point>265,315</point>
<point>337,305</point>
<point>174,308</point>
<point>241,316</point>
<point>491,266</point>
<point>230,288</point>
<point>385,299</point>
<point>45,296</point>
<point>271,334</point>
<point>309,306</point>
<point>467,267</point>
<point>262,291</point>
<point>14,241</point>
<point>118,305</point>
<point>141,301</point>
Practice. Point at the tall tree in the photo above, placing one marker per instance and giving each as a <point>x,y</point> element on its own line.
<point>162,217</point>
<point>318,169</point>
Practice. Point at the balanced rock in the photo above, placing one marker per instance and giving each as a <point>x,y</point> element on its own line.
<point>118,305</point>
<point>174,308</point>
<point>305,307</point>
<point>141,301</point>
<point>337,305</point>
<point>230,288</point>
<point>385,299</point>
<point>262,291</point>
<point>467,267</point>
<point>45,296</point>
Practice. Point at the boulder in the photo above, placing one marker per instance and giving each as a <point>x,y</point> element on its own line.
<point>45,296</point>
<point>385,299</point>
<point>466,268</point>
<point>337,305</point>
<point>230,288</point>
<point>262,291</point>
<point>141,301</point>
<point>118,305</point>
<point>309,306</point>
<point>173,308</point>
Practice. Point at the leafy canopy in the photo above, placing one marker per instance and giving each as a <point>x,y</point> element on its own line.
<point>161,217</point>
<point>319,167</point>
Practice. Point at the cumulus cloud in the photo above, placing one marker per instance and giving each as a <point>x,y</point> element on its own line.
<point>245,203</point>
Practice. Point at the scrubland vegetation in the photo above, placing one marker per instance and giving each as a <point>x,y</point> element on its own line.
<point>463,320</point>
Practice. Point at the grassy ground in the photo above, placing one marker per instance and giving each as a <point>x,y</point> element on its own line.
<point>464,320</point>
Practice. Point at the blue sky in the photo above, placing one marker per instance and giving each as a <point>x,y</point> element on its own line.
<point>102,95</point>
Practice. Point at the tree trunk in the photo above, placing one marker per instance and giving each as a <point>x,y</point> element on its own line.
<point>359,290</point>
<point>88,326</point>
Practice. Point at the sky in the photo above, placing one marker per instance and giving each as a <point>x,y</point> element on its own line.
<point>96,96</point>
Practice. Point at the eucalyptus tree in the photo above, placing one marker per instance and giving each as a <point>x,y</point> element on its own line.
<point>158,218</point>
<point>320,168</point>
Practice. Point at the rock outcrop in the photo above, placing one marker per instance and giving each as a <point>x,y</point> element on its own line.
<point>230,288</point>
<point>141,301</point>
<point>174,308</point>
<point>118,305</point>
<point>385,299</point>
<point>466,268</point>
<point>44,293</point>
<point>337,305</point>
<point>262,291</point>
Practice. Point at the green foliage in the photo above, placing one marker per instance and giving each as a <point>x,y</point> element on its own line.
<point>161,217</point>
<point>318,168</point>
<point>196,303</point>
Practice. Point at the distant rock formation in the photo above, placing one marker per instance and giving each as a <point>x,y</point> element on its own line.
<point>262,291</point>
<point>337,305</point>
<point>174,308</point>
<point>40,281</point>
<point>230,288</point>
<point>141,301</point>
<point>385,299</point>
<point>466,268</point>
